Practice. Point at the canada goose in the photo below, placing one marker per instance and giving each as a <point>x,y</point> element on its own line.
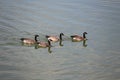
<point>55,38</point>
<point>79,38</point>
<point>29,41</point>
<point>44,44</point>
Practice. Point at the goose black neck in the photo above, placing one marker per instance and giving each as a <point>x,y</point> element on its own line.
<point>36,38</point>
<point>84,35</point>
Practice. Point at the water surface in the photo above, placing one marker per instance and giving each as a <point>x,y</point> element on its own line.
<point>99,60</point>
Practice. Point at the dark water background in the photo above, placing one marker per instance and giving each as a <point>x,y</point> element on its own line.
<point>100,60</point>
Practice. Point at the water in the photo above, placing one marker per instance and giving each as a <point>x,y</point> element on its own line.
<point>99,60</point>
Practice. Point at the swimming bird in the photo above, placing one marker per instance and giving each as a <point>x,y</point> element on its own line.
<point>55,38</point>
<point>41,43</point>
<point>44,44</point>
<point>79,38</point>
<point>29,41</point>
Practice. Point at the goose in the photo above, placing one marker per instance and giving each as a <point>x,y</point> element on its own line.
<point>79,38</point>
<point>43,44</point>
<point>29,41</point>
<point>55,38</point>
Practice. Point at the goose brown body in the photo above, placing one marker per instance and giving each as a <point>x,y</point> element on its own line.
<point>79,38</point>
<point>55,38</point>
<point>28,40</point>
<point>44,44</point>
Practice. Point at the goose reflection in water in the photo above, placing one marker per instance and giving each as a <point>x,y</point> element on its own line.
<point>28,45</point>
<point>84,43</point>
<point>60,43</point>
